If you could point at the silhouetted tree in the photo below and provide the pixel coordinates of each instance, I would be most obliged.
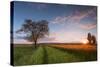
(94, 42)
(92, 39)
(89, 38)
(34, 30)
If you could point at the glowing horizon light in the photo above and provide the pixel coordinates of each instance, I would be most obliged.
(84, 41)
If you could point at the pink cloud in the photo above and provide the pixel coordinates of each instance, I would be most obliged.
(47, 39)
(88, 26)
(63, 36)
(21, 41)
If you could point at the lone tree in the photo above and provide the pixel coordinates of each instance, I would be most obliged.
(34, 30)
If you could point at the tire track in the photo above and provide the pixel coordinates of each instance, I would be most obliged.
(45, 57)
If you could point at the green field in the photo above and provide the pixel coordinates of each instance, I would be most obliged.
(48, 55)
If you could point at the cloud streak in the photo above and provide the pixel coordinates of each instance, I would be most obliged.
(77, 17)
(88, 26)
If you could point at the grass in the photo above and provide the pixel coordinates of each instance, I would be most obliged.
(58, 56)
(49, 55)
(82, 55)
(22, 54)
(37, 56)
(28, 55)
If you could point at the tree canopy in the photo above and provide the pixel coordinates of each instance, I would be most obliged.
(34, 30)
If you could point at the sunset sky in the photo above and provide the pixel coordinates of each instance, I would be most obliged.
(67, 23)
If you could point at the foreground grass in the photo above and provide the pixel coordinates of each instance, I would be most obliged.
(28, 55)
(22, 54)
(47, 54)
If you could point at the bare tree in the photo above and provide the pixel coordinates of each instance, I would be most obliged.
(34, 30)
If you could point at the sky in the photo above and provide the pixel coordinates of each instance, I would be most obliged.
(67, 23)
